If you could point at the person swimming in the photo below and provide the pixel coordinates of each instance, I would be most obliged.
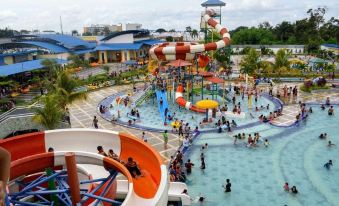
(266, 143)
(294, 190)
(328, 164)
(330, 144)
(286, 187)
(331, 111)
(322, 107)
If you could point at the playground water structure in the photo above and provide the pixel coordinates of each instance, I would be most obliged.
(30, 157)
(151, 119)
(295, 155)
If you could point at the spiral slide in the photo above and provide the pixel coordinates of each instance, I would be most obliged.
(182, 102)
(186, 51)
(29, 157)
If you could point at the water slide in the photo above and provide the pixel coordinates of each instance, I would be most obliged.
(182, 102)
(169, 51)
(162, 95)
(29, 156)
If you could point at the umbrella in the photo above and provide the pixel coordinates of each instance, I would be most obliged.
(207, 104)
(179, 63)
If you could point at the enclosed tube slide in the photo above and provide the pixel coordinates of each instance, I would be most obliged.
(29, 155)
(182, 102)
(186, 51)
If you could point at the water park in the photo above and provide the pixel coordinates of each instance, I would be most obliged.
(179, 129)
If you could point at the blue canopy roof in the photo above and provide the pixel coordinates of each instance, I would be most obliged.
(52, 47)
(67, 41)
(213, 3)
(118, 47)
(17, 68)
(150, 42)
(331, 45)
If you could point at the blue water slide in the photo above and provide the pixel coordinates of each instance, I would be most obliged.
(162, 95)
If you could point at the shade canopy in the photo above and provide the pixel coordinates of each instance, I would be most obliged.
(207, 104)
(179, 63)
(215, 80)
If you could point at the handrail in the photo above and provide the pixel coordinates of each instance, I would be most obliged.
(7, 114)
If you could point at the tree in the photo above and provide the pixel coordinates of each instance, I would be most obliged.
(281, 60)
(160, 30)
(75, 33)
(172, 30)
(253, 36)
(284, 31)
(250, 63)
(52, 66)
(169, 39)
(23, 32)
(76, 61)
(65, 88)
(189, 31)
(223, 56)
(106, 31)
(49, 116)
(106, 68)
(194, 33)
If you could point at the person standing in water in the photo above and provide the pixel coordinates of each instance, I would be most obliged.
(227, 185)
(328, 164)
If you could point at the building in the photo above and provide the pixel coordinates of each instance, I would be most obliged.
(294, 49)
(24, 52)
(101, 29)
(41, 46)
(330, 47)
(133, 27)
(124, 46)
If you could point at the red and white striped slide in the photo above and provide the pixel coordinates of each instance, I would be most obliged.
(186, 51)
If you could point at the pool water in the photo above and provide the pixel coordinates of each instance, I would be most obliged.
(150, 116)
(295, 155)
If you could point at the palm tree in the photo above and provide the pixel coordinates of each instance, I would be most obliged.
(250, 63)
(188, 30)
(52, 66)
(50, 115)
(194, 33)
(281, 60)
(65, 88)
(106, 68)
(75, 33)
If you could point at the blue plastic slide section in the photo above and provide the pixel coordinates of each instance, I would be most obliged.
(164, 105)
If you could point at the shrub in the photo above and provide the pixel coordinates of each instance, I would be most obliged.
(321, 82)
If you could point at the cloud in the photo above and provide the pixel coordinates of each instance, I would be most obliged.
(176, 14)
(7, 15)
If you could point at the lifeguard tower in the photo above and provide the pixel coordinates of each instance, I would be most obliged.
(216, 6)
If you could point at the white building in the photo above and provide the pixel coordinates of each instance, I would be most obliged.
(294, 49)
(133, 26)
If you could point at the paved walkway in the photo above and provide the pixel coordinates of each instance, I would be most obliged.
(82, 113)
(288, 116)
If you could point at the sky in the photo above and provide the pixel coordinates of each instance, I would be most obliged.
(152, 14)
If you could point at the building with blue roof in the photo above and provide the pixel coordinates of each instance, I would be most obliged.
(26, 66)
(116, 47)
(124, 46)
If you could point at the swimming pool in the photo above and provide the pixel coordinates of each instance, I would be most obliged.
(150, 116)
(295, 155)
